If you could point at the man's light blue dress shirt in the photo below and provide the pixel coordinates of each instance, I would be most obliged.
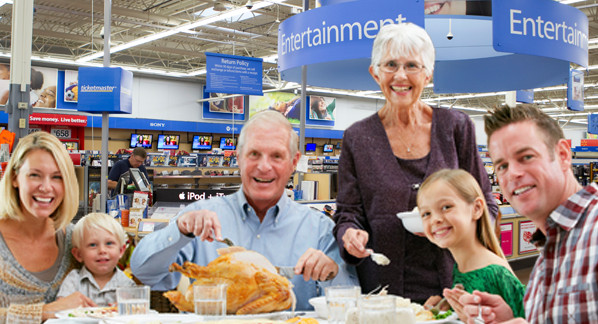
(287, 231)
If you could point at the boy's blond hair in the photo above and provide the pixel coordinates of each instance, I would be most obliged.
(98, 221)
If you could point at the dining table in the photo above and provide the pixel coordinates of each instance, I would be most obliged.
(184, 318)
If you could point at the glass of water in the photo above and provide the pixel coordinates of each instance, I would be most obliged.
(133, 300)
(379, 310)
(339, 299)
(210, 300)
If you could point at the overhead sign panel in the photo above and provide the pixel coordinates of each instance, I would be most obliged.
(105, 89)
(575, 90)
(332, 33)
(541, 27)
(233, 74)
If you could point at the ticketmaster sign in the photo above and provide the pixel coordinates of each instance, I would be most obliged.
(105, 89)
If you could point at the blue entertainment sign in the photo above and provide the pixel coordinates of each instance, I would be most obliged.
(233, 74)
(332, 33)
(105, 89)
(540, 27)
(575, 90)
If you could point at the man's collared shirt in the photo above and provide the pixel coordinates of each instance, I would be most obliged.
(563, 285)
(286, 232)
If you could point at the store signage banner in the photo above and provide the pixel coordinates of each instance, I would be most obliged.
(593, 123)
(190, 195)
(524, 96)
(105, 89)
(341, 31)
(540, 27)
(58, 119)
(233, 74)
(575, 90)
(71, 90)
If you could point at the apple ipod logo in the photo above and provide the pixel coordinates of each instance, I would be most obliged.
(182, 196)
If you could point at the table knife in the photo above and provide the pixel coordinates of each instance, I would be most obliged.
(287, 272)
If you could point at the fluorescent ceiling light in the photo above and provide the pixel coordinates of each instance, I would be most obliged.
(3, 2)
(206, 21)
(571, 1)
(198, 72)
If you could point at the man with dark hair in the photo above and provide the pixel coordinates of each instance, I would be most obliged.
(532, 161)
(134, 161)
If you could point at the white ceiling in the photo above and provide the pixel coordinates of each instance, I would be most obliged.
(70, 30)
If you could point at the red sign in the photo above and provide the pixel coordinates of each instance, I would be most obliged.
(58, 119)
(589, 142)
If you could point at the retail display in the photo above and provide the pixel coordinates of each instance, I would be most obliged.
(168, 142)
(227, 143)
(141, 140)
(201, 142)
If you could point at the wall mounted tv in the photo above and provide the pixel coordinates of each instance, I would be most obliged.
(141, 140)
(328, 148)
(201, 142)
(168, 142)
(310, 147)
(228, 143)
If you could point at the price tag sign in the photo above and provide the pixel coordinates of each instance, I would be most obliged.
(61, 132)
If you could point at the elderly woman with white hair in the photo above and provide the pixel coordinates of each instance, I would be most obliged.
(384, 159)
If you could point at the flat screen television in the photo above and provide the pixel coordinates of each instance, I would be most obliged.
(141, 140)
(227, 143)
(201, 142)
(310, 147)
(168, 142)
(328, 148)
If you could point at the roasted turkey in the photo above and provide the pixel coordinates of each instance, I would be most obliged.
(254, 286)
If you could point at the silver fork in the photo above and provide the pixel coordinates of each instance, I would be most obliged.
(479, 319)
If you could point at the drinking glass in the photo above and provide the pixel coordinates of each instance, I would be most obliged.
(133, 300)
(210, 300)
(378, 309)
(339, 299)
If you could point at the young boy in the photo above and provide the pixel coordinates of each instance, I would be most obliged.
(98, 242)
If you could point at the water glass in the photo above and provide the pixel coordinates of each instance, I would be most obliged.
(133, 300)
(378, 309)
(210, 300)
(339, 300)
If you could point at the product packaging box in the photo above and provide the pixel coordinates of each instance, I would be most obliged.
(135, 216)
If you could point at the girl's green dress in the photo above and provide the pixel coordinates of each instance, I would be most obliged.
(494, 279)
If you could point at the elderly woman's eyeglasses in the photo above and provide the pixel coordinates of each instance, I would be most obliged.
(392, 67)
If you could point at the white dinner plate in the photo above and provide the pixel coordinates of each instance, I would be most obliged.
(452, 317)
(173, 318)
(80, 315)
(282, 315)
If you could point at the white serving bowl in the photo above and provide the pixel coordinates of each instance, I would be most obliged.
(412, 221)
(319, 304)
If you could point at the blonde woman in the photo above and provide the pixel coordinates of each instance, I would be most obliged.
(40, 197)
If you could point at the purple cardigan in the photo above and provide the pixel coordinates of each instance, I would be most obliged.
(374, 185)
